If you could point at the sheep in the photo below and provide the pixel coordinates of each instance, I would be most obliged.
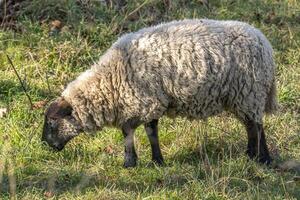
(191, 68)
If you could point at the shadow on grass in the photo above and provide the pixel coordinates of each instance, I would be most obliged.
(10, 90)
(151, 179)
(211, 151)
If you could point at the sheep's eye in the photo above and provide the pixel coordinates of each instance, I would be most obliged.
(52, 123)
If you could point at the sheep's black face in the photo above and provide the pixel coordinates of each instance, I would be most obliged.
(59, 126)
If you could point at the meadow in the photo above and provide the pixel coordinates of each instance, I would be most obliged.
(52, 42)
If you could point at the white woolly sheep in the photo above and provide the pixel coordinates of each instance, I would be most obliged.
(191, 68)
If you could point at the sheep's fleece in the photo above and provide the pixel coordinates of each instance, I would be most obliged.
(192, 68)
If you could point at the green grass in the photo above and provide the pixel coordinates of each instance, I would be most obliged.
(204, 160)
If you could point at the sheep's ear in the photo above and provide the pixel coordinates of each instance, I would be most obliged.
(59, 109)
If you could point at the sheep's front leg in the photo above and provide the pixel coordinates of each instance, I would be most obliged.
(130, 154)
(152, 132)
(257, 147)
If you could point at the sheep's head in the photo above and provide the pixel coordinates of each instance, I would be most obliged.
(59, 125)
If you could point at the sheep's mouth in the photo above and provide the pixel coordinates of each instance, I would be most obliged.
(58, 147)
(55, 147)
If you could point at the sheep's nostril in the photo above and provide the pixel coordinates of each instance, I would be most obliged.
(59, 147)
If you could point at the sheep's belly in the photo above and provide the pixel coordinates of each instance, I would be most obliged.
(195, 110)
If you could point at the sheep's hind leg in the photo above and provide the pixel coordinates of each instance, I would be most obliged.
(152, 133)
(130, 153)
(257, 147)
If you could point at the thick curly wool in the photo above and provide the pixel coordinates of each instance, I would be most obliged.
(190, 68)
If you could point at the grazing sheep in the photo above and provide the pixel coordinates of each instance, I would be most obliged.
(190, 68)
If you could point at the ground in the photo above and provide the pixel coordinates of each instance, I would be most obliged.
(51, 42)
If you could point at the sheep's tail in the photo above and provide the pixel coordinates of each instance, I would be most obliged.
(271, 103)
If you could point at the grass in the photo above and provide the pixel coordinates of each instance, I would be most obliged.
(204, 160)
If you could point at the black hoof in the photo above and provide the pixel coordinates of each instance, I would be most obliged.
(158, 161)
(261, 159)
(251, 154)
(129, 163)
(265, 160)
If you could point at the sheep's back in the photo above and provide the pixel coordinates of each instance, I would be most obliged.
(198, 68)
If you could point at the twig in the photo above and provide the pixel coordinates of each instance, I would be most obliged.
(121, 23)
(21, 82)
(135, 10)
